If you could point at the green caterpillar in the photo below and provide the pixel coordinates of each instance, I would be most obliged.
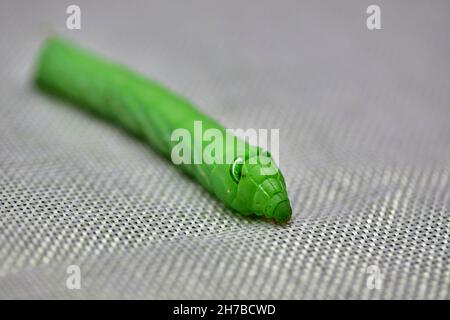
(151, 111)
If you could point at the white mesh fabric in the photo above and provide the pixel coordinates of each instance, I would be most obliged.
(364, 120)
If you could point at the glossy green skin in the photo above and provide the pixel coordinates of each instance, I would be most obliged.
(151, 111)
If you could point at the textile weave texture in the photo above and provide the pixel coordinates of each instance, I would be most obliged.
(364, 121)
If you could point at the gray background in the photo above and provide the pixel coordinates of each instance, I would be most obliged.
(365, 149)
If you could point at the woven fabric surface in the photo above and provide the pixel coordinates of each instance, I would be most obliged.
(364, 121)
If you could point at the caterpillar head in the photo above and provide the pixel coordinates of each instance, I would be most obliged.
(261, 189)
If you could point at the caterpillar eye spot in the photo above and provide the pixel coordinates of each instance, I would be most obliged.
(236, 169)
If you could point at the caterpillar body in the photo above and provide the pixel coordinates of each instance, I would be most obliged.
(153, 112)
